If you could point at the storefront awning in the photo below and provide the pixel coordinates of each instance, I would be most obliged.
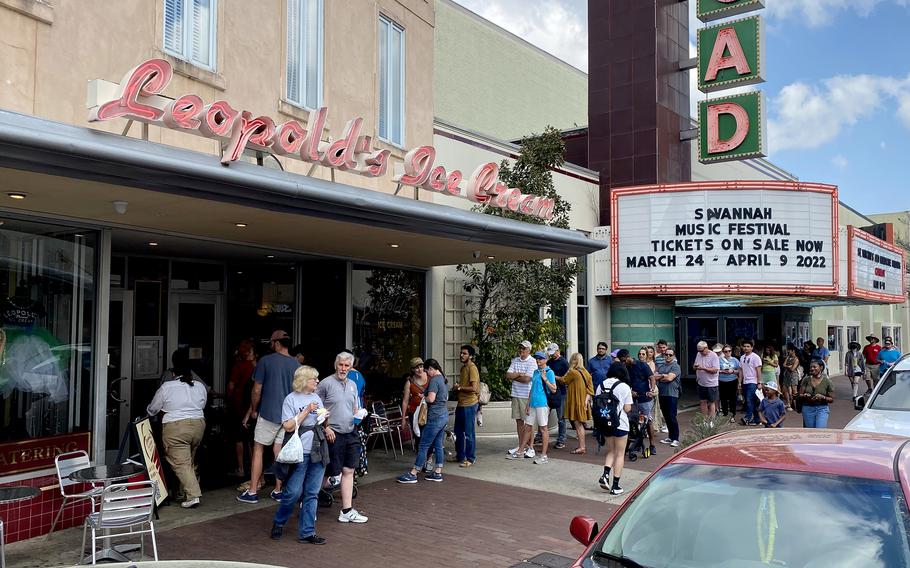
(76, 172)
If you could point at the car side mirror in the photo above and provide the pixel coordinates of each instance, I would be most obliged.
(583, 529)
(859, 403)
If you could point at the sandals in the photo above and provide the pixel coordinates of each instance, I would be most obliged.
(578, 452)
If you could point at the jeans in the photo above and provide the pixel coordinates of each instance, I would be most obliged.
(432, 435)
(751, 416)
(728, 397)
(815, 416)
(561, 420)
(669, 405)
(465, 433)
(303, 485)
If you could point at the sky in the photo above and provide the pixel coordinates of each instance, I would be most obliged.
(837, 87)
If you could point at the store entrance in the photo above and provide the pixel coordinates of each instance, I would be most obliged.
(196, 323)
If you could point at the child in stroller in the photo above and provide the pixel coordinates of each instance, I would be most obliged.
(638, 433)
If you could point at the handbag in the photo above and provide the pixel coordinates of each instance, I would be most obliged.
(484, 398)
(422, 413)
(292, 449)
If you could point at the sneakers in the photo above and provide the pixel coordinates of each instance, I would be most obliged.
(711, 423)
(617, 490)
(247, 497)
(312, 539)
(664, 429)
(530, 453)
(653, 449)
(604, 482)
(190, 503)
(666, 441)
(674, 444)
(560, 445)
(513, 451)
(276, 496)
(406, 477)
(351, 516)
(466, 463)
(275, 534)
(542, 460)
(515, 456)
(433, 476)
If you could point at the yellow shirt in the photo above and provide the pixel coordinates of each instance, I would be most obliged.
(469, 377)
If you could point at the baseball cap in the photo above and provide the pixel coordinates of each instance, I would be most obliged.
(416, 362)
(771, 385)
(552, 348)
(540, 355)
(279, 334)
(526, 344)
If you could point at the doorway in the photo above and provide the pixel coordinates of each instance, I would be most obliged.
(195, 323)
(119, 367)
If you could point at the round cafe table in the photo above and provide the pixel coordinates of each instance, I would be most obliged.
(106, 475)
(13, 495)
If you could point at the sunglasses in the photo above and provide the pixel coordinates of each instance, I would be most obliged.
(728, 351)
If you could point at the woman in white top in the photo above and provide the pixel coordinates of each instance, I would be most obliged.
(182, 401)
(616, 443)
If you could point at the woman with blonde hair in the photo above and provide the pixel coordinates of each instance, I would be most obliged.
(579, 390)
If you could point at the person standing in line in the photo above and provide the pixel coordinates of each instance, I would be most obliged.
(659, 354)
(817, 393)
(669, 387)
(300, 410)
(806, 354)
(274, 376)
(854, 366)
(750, 364)
(579, 390)
(618, 368)
(659, 423)
(789, 376)
(821, 352)
(520, 372)
(238, 395)
(771, 411)
(642, 391)
(538, 412)
(769, 364)
(707, 368)
(728, 381)
(467, 389)
(599, 364)
(560, 367)
(616, 441)
(433, 433)
(887, 356)
(358, 379)
(182, 400)
(870, 354)
(339, 395)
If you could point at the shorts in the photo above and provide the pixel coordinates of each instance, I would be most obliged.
(646, 407)
(519, 407)
(268, 433)
(538, 416)
(707, 393)
(620, 433)
(345, 452)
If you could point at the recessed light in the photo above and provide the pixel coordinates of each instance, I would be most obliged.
(239, 272)
(491, 257)
(17, 195)
(2, 223)
(153, 244)
(394, 245)
(270, 256)
(240, 225)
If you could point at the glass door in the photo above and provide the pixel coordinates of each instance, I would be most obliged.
(698, 329)
(195, 323)
(119, 366)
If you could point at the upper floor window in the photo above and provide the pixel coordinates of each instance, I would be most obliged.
(304, 49)
(189, 31)
(391, 81)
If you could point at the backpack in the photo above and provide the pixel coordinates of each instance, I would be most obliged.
(605, 410)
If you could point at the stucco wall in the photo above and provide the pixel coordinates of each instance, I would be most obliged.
(46, 66)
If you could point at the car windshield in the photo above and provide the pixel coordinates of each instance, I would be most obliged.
(894, 394)
(703, 516)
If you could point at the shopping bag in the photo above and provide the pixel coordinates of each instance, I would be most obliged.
(292, 450)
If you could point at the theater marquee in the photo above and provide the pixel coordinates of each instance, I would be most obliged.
(736, 237)
(876, 268)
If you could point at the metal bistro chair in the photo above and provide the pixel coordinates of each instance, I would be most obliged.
(384, 427)
(124, 506)
(66, 464)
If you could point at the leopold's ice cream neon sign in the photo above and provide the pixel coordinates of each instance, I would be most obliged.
(138, 98)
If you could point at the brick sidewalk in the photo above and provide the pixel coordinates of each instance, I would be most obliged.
(458, 523)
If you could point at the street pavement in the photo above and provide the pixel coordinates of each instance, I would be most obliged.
(498, 513)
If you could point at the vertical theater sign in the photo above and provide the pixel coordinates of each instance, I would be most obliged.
(730, 55)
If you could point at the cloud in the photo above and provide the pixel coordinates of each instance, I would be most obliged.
(559, 27)
(818, 13)
(840, 162)
(808, 116)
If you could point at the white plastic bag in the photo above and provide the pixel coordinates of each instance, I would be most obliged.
(292, 451)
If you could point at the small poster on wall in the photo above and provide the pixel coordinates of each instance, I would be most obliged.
(151, 459)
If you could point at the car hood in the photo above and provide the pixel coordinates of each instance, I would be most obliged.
(883, 421)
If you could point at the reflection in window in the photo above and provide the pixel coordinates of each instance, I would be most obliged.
(388, 314)
(894, 394)
(46, 297)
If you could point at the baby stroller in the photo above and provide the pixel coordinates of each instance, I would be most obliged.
(638, 432)
(326, 497)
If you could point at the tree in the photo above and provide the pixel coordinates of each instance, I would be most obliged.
(516, 300)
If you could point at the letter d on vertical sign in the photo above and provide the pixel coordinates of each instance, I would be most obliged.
(731, 128)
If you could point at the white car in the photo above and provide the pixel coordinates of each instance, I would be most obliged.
(888, 408)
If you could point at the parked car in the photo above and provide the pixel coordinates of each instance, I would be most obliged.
(744, 499)
(888, 407)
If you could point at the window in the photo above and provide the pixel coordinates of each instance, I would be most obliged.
(189, 31)
(581, 286)
(304, 52)
(391, 81)
(852, 334)
(834, 338)
(458, 318)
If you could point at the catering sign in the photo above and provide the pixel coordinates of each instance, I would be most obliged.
(876, 268)
(138, 96)
(737, 237)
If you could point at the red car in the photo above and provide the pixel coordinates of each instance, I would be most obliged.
(787, 498)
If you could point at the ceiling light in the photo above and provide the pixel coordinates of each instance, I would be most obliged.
(153, 244)
(240, 225)
(270, 256)
(491, 257)
(394, 245)
(239, 272)
(17, 195)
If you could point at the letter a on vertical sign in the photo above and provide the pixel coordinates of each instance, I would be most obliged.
(710, 10)
(732, 128)
(731, 54)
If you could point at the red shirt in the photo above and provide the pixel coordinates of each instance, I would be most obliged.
(870, 353)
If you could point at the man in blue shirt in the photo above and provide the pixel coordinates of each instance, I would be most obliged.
(538, 412)
(821, 352)
(358, 379)
(888, 355)
(560, 367)
(599, 364)
(642, 383)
